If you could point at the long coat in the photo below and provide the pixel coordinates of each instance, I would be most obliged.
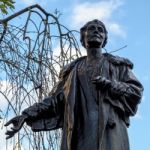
(91, 118)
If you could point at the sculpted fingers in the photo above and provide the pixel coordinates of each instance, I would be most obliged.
(17, 123)
(10, 133)
(13, 121)
(15, 128)
(96, 79)
(101, 82)
(8, 123)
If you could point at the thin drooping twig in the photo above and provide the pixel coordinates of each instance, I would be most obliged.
(30, 65)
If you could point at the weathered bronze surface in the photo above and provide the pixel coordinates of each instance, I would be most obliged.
(93, 100)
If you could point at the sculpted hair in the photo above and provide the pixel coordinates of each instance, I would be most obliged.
(83, 29)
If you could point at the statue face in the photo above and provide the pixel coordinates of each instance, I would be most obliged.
(94, 36)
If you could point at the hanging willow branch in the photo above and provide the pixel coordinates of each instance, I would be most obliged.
(34, 46)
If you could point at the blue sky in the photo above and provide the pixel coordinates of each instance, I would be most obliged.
(128, 24)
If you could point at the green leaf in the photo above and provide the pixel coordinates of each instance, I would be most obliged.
(5, 4)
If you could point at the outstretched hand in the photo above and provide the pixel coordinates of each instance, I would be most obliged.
(17, 123)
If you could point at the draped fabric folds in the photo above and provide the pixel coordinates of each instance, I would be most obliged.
(90, 118)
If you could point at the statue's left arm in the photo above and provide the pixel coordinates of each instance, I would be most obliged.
(128, 90)
(123, 90)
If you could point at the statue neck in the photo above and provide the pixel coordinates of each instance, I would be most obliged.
(94, 54)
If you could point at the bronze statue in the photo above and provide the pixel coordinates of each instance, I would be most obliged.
(93, 100)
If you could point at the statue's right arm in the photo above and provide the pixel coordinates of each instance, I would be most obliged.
(49, 107)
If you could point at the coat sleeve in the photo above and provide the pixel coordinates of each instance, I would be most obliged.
(50, 108)
(128, 90)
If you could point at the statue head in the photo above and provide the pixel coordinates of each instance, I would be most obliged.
(94, 32)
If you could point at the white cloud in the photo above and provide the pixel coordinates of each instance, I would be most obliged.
(3, 86)
(31, 2)
(143, 98)
(117, 29)
(102, 10)
(2, 133)
(10, 144)
(137, 116)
